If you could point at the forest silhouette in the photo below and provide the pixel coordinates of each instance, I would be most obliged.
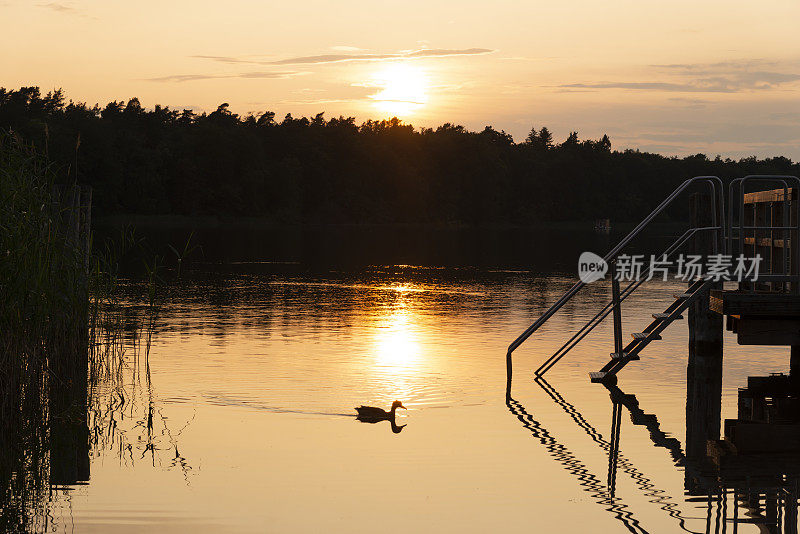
(317, 170)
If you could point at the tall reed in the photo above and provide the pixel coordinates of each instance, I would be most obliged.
(43, 306)
(73, 352)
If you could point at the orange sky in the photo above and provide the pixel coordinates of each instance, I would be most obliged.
(679, 77)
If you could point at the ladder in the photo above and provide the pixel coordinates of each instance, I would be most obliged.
(622, 355)
(652, 332)
(727, 237)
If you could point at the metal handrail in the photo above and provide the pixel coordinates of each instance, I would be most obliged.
(785, 229)
(608, 308)
(717, 197)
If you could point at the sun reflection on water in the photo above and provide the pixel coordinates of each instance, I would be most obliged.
(398, 351)
(397, 346)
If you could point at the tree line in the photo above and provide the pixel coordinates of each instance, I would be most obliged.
(317, 170)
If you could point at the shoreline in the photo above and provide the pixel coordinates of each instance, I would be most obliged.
(228, 222)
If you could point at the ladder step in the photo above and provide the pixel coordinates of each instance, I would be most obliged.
(599, 377)
(624, 356)
(686, 295)
(667, 316)
(644, 419)
(646, 335)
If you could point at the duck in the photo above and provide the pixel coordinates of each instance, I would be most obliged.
(370, 414)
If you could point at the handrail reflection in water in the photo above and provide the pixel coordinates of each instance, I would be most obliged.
(772, 507)
(588, 481)
(658, 496)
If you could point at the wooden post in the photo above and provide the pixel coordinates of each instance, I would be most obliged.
(509, 374)
(704, 370)
(794, 362)
(790, 510)
(618, 346)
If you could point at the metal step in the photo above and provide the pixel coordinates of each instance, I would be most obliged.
(600, 377)
(624, 356)
(644, 419)
(667, 316)
(646, 335)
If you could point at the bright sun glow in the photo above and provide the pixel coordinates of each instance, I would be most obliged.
(397, 345)
(404, 89)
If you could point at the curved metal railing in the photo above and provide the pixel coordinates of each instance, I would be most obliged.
(718, 218)
(608, 308)
(784, 230)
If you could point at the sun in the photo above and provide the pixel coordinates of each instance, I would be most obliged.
(403, 89)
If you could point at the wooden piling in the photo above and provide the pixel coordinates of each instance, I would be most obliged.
(704, 370)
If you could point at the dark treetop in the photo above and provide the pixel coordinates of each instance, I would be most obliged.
(313, 170)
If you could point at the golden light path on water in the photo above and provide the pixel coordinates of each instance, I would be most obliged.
(398, 351)
(250, 386)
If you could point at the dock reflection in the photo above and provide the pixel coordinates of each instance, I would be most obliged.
(590, 483)
(736, 488)
(611, 446)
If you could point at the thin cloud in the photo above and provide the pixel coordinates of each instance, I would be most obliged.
(180, 78)
(444, 52)
(223, 59)
(343, 48)
(333, 95)
(735, 76)
(341, 58)
(524, 58)
(423, 53)
(685, 100)
(719, 66)
(651, 86)
(267, 75)
(731, 83)
(61, 8)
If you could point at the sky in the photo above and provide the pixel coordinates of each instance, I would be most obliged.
(678, 77)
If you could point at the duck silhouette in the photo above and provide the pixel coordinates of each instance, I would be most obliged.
(370, 414)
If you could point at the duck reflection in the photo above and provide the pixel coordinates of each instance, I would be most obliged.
(371, 414)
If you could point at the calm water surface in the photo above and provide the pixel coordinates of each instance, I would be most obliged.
(243, 419)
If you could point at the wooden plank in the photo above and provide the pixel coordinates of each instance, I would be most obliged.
(770, 386)
(768, 331)
(715, 300)
(773, 195)
(764, 242)
(750, 303)
(761, 437)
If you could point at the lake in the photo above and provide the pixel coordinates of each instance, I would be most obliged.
(242, 417)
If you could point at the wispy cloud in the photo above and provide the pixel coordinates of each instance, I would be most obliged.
(524, 58)
(343, 57)
(179, 78)
(62, 8)
(344, 48)
(718, 66)
(224, 59)
(652, 86)
(722, 77)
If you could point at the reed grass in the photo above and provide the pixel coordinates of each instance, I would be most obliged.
(69, 343)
